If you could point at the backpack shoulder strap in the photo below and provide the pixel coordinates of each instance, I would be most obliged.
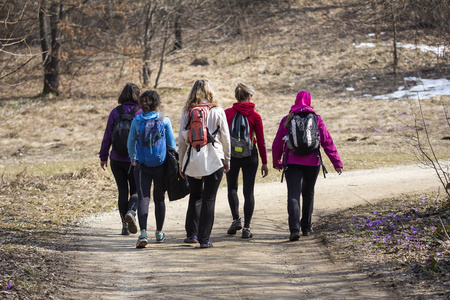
(120, 110)
(161, 118)
(134, 110)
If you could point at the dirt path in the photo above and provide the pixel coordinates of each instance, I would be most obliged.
(106, 265)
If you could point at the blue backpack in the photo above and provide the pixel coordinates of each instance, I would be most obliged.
(151, 142)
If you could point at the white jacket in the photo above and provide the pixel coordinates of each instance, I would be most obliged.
(209, 159)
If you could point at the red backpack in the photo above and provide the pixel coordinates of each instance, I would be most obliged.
(198, 132)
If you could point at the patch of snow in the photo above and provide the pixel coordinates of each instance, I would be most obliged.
(425, 88)
(440, 50)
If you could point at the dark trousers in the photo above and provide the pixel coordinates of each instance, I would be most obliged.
(300, 179)
(126, 186)
(249, 166)
(202, 201)
(145, 176)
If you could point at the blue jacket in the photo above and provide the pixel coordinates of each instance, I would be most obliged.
(131, 143)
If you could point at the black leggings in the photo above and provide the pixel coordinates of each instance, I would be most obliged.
(125, 183)
(300, 179)
(249, 166)
(202, 201)
(144, 178)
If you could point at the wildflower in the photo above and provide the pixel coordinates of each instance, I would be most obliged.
(374, 212)
(422, 197)
(394, 231)
(356, 224)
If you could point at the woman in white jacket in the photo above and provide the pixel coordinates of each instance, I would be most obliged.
(204, 166)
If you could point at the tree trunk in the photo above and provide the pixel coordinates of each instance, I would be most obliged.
(178, 44)
(161, 61)
(146, 72)
(394, 28)
(51, 56)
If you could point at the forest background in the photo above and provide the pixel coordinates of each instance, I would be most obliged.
(63, 64)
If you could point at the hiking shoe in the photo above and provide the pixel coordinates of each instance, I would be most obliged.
(295, 236)
(246, 233)
(125, 230)
(142, 241)
(207, 245)
(160, 237)
(191, 239)
(306, 233)
(131, 221)
(235, 226)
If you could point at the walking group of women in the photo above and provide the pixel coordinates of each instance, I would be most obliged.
(204, 168)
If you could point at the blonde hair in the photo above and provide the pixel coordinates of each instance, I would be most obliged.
(200, 90)
(242, 92)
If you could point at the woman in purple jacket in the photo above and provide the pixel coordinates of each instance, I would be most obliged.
(302, 171)
(120, 164)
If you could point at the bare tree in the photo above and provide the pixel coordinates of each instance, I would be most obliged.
(425, 151)
(17, 26)
(49, 19)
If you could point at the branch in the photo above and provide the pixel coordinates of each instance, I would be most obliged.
(18, 68)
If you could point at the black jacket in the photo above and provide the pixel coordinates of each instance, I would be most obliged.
(174, 184)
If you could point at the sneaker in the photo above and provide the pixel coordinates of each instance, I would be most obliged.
(131, 221)
(246, 233)
(125, 230)
(142, 241)
(191, 239)
(160, 237)
(235, 226)
(207, 245)
(306, 233)
(295, 236)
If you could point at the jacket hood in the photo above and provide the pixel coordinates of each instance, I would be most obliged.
(148, 116)
(302, 103)
(245, 108)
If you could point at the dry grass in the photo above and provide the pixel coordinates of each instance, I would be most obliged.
(50, 174)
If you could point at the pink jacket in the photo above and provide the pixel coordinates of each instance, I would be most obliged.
(303, 104)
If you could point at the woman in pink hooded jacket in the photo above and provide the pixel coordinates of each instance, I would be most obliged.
(302, 170)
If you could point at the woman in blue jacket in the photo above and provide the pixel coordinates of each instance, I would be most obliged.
(144, 175)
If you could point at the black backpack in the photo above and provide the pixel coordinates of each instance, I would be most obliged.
(241, 142)
(304, 137)
(121, 130)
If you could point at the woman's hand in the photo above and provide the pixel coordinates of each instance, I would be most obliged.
(226, 168)
(104, 164)
(181, 172)
(264, 170)
(339, 170)
(279, 168)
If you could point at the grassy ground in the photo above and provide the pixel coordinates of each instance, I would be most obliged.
(50, 174)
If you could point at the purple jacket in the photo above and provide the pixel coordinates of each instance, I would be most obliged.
(302, 104)
(106, 143)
